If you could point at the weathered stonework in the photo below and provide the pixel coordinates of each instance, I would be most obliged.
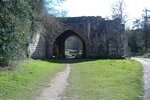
(37, 48)
(101, 38)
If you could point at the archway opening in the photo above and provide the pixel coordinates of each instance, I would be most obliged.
(62, 47)
(73, 47)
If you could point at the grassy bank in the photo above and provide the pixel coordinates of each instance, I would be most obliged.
(105, 80)
(25, 82)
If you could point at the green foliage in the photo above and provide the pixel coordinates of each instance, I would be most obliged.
(105, 80)
(136, 41)
(17, 23)
(25, 82)
(142, 26)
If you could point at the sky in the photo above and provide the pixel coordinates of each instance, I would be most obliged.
(134, 8)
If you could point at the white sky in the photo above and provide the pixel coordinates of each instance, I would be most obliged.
(103, 8)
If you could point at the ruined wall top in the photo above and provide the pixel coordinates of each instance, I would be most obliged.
(87, 19)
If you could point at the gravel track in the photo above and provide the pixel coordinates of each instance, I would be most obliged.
(56, 86)
(146, 76)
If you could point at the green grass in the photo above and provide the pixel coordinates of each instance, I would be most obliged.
(105, 80)
(26, 82)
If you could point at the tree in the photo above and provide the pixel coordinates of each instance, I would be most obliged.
(53, 7)
(139, 36)
(118, 11)
(17, 27)
(137, 24)
(147, 29)
(135, 41)
(15, 24)
(48, 17)
(51, 24)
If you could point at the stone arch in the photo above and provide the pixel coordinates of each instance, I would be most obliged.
(59, 43)
(101, 38)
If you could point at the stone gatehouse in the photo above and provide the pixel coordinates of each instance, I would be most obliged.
(100, 38)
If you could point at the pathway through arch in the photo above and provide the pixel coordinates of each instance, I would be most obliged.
(56, 86)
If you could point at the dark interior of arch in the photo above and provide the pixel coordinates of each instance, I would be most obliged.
(59, 44)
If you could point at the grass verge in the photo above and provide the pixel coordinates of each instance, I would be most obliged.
(26, 82)
(105, 80)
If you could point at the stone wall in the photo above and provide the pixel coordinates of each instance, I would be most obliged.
(103, 38)
(106, 37)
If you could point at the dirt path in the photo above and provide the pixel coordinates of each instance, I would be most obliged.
(56, 86)
(146, 69)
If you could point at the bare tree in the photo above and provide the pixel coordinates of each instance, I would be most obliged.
(48, 18)
(137, 23)
(63, 13)
(118, 11)
(53, 7)
(51, 24)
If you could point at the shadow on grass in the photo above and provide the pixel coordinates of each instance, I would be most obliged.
(65, 61)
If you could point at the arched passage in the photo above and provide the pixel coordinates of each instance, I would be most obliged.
(59, 44)
(73, 47)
